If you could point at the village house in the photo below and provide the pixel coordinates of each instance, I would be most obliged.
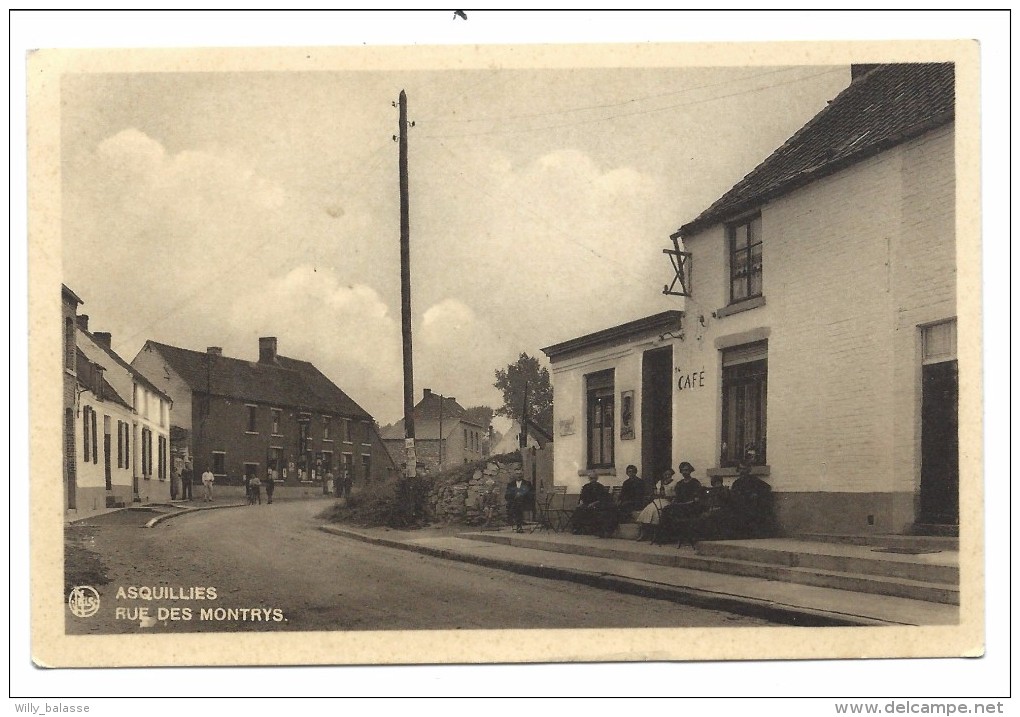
(116, 423)
(238, 417)
(818, 329)
(444, 434)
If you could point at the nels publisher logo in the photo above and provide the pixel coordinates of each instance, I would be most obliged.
(83, 601)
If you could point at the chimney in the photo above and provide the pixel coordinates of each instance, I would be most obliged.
(83, 321)
(214, 350)
(103, 338)
(267, 349)
(425, 392)
(860, 70)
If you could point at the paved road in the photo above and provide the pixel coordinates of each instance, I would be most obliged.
(272, 557)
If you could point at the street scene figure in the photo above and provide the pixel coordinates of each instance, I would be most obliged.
(270, 484)
(207, 482)
(634, 493)
(187, 476)
(256, 489)
(595, 512)
(682, 509)
(519, 497)
(648, 519)
(752, 503)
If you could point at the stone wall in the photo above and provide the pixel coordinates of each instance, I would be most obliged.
(473, 497)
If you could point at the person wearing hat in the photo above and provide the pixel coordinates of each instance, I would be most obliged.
(686, 505)
(649, 518)
(752, 501)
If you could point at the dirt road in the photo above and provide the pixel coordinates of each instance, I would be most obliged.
(271, 569)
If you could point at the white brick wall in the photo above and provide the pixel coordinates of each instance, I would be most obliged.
(852, 264)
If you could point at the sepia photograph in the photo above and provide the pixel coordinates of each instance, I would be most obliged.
(495, 353)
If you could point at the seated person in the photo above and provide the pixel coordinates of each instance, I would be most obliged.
(634, 493)
(716, 522)
(596, 512)
(752, 503)
(648, 519)
(686, 506)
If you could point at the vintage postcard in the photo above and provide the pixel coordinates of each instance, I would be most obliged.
(501, 354)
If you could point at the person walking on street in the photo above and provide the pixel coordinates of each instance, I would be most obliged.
(207, 481)
(255, 486)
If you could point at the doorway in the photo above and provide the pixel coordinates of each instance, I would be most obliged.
(656, 413)
(940, 453)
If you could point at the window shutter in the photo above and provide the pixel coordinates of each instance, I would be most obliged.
(746, 354)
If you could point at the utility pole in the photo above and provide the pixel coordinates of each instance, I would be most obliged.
(405, 297)
(524, 420)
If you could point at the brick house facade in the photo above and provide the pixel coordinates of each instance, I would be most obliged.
(236, 417)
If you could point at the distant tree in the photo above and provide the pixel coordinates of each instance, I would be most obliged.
(482, 415)
(526, 372)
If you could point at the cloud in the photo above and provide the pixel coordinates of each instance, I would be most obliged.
(345, 330)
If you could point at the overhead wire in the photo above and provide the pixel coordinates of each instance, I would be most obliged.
(596, 120)
(584, 108)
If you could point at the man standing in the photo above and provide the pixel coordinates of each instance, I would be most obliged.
(207, 481)
(518, 499)
(186, 481)
(270, 484)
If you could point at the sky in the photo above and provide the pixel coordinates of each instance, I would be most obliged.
(208, 209)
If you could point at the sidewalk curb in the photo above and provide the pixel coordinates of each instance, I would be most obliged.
(747, 606)
(185, 511)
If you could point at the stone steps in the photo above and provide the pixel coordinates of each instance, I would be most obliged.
(905, 542)
(816, 564)
(815, 556)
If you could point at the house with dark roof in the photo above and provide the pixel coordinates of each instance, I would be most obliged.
(240, 417)
(444, 434)
(818, 331)
(116, 424)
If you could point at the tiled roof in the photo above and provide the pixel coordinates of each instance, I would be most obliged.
(288, 382)
(86, 379)
(426, 429)
(887, 106)
(430, 404)
(135, 374)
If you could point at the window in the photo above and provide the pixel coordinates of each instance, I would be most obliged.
(127, 445)
(745, 260)
(600, 419)
(69, 343)
(219, 463)
(146, 453)
(366, 432)
(86, 427)
(345, 430)
(276, 421)
(745, 378)
(326, 427)
(366, 467)
(253, 419)
(163, 458)
(120, 444)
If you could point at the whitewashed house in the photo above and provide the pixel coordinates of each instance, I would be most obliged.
(818, 328)
(119, 424)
